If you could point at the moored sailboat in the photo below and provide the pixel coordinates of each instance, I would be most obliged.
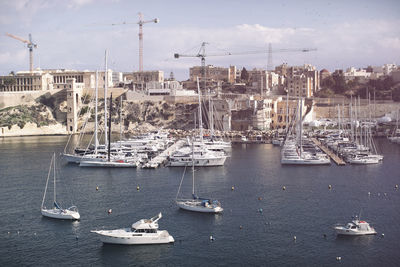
(57, 211)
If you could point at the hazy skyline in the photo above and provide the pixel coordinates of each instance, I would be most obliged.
(74, 34)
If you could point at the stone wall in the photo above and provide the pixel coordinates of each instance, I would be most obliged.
(377, 110)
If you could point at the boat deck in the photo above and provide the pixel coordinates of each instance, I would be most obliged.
(329, 152)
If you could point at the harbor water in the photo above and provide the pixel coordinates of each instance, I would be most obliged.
(273, 215)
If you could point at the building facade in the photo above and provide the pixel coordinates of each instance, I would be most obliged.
(25, 82)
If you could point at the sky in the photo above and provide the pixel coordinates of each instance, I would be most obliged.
(74, 34)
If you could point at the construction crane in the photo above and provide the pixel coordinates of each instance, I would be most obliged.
(140, 23)
(30, 44)
(202, 55)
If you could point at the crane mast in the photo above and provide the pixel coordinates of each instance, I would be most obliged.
(29, 44)
(140, 23)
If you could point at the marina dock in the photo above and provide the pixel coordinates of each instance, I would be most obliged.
(163, 157)
(329, 152)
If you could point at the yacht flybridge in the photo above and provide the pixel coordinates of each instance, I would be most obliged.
(143, 232)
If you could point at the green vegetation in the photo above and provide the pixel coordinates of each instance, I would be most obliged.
(244, 75)
(382, 88)
(20, 115)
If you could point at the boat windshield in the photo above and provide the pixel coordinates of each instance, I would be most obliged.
(144, 230)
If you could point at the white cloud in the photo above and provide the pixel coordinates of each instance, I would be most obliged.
(78, 3)
(19, 57)
(358, 44)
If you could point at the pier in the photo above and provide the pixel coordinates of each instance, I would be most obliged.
(329, 152)
(163, 156)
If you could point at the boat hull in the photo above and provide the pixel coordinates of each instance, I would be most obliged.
(61, 214)
(107, 164)
(190, 206)
(344, 231)
(161, 237)
(210, 162)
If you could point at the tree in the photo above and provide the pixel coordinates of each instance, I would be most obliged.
(328, 83)
(340, 83)
(244, 75)
(396, 93)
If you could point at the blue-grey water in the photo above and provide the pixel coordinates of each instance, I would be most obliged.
(256, 228)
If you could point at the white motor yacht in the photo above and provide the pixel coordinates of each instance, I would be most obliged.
(142, 232)
(356, 227)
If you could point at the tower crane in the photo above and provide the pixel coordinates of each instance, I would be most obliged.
(30, 44)
(202, 55)
(140, 23)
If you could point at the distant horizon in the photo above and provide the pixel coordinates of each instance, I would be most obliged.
(74, 34)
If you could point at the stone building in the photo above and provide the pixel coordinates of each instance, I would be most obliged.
(25, 82)
(74, 93)
(300, 85)
(284, 111)
(213, 74)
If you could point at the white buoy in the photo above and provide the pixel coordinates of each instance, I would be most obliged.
(284, 188)
(294, 238)
(137, 188)
(383, 235)
(260, 210)
(232, 188)
(369, 193)
(211, 238)
(338, 258)
(109, 211)
(330, 186)
(240, 227)
(396, 186)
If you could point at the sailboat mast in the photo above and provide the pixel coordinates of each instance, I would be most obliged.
(287, 113)
(109, 130)
(211, 114)
(47, 181)
(301, 125)
(193, 167)
(120, 119)
(105, 99)
(54, 171)
(200, 119)
(96, 140)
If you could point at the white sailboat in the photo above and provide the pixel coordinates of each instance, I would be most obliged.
(197, 204)
(57, 211)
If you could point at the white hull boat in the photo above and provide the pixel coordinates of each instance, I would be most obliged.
(64, 214)
(143, 232)
(204, 206)
(199, 162)
(355, 228)
(108, 164)
(57, 212)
